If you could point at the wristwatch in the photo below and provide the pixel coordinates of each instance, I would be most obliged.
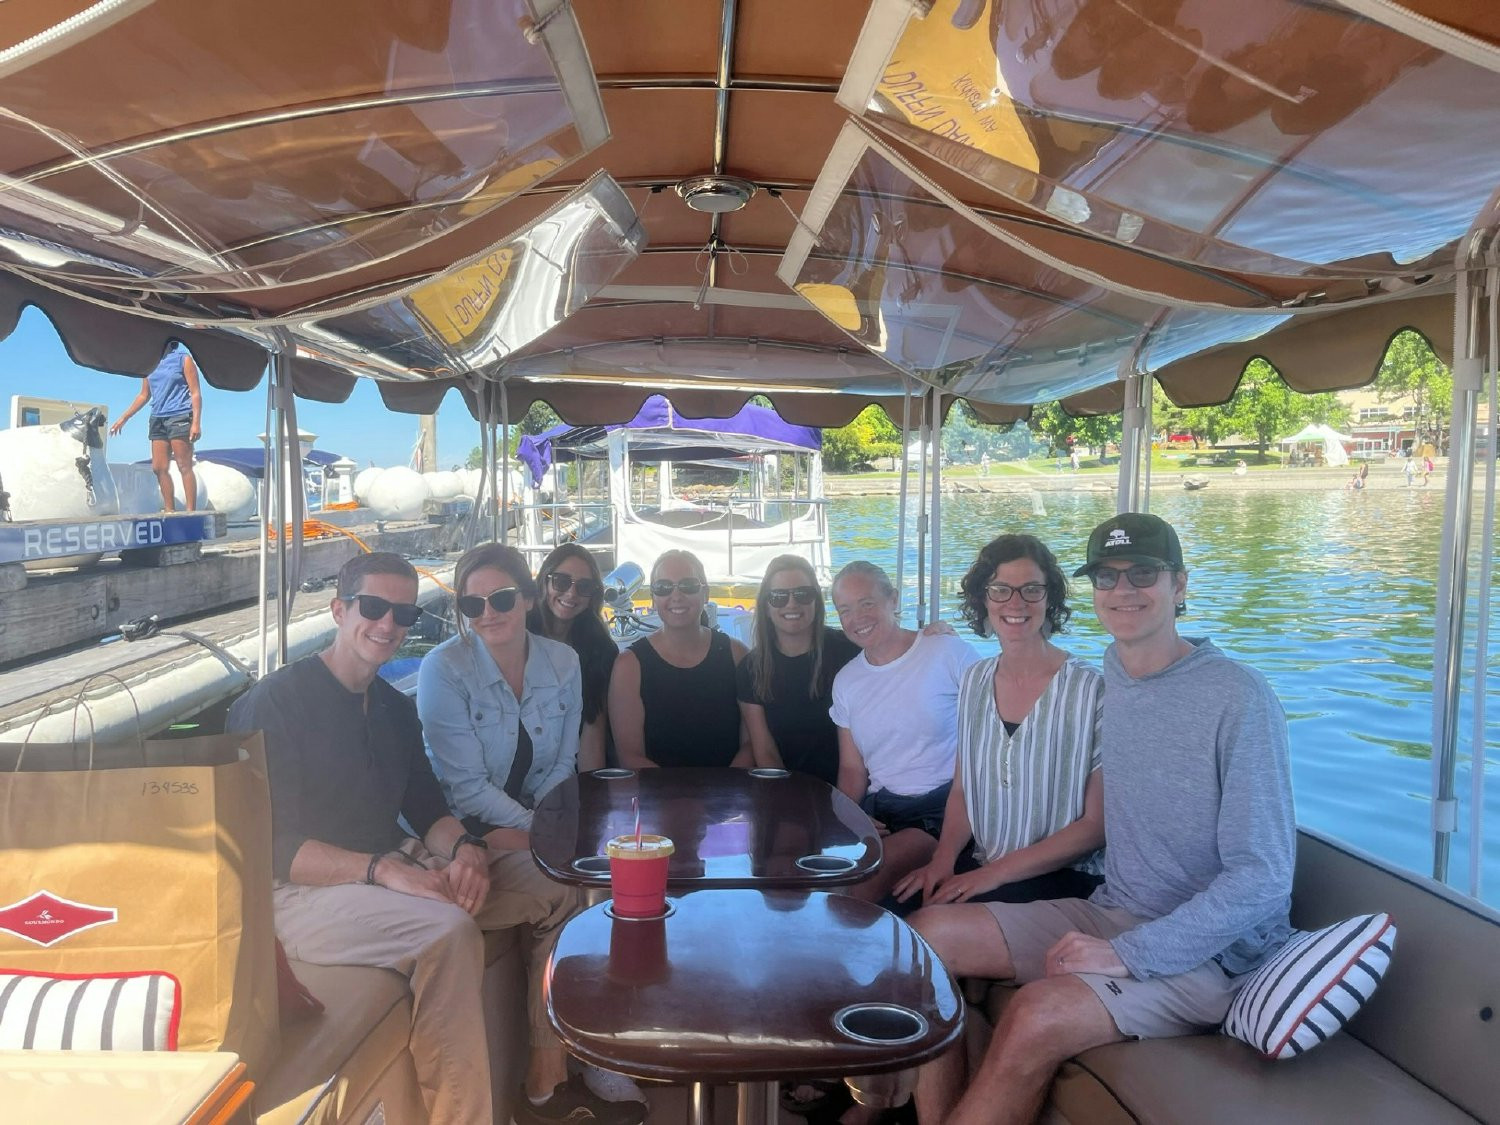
(468, 838)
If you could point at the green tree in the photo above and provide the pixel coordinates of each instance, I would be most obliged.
(1411, 369)
(966, 438)
(1057, 426)
(869, 436)
(1263, 406)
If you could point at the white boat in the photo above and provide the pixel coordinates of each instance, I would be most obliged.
(831, 205)
(768, 499)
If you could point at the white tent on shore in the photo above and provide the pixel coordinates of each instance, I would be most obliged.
(1332, 442)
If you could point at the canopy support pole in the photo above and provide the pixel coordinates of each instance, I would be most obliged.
(1486, 578)
(286, 504)
(503, 517)
(901, 504)
(923, 435)
(936, 504)
(1135, 432)
(1453, 566)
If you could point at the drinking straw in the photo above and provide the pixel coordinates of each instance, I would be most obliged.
(635, 803)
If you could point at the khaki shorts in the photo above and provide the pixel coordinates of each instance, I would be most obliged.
(1186, 1004)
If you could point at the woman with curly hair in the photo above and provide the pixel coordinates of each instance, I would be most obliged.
(570, 608)
(1027, 787)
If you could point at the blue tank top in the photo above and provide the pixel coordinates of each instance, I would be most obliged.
(169, 389)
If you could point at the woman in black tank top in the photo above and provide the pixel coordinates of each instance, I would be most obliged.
(672, 698)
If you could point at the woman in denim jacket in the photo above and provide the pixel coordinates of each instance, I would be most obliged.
(500, 707)
(500, 713)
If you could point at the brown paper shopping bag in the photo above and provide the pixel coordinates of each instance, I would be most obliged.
(153, 858)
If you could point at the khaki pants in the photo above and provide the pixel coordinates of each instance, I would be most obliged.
(440, 950)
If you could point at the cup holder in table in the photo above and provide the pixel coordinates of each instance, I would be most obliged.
(825, 864)
(597, 865)
(612, 773)
(769, 772)
(886, 1024)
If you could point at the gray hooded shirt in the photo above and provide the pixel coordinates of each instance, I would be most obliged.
(1199, 828)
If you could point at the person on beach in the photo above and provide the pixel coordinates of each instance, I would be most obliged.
(1410, 468)
(176, 422)
(1198, 868)
(501, 711)
(347, 775)
(896, 707)
(672, 696)
(1427, 467)
(570, 608)
(785, 684)
(1027, 793)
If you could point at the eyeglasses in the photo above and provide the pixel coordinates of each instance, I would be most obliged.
(1000, 592)
(562, 583)
(372, 608)
(805, 595)
(663, 587)
(501, 601)
(1140, 575)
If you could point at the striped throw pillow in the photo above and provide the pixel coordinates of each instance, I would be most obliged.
(1312, 986)
(101, 1012)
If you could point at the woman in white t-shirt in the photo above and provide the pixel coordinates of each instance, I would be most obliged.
(896, 707)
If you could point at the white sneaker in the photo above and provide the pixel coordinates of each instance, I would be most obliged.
(610, 1086)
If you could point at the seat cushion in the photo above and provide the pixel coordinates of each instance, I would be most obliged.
(365, 1025)
(1200, 1078)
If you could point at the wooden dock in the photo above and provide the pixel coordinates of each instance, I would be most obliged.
(50, 630)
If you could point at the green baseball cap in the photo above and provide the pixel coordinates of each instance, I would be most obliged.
(1135, 537)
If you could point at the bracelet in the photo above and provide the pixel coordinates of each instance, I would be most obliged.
(468, 838)
(370, 871)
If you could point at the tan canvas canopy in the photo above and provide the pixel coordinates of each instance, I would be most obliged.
(1038, 199)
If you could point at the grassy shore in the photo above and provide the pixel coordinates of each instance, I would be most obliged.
(1166, 472)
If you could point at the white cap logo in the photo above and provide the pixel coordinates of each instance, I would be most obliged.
(1117, 538)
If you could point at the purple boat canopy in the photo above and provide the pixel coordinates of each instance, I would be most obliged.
(659, 433)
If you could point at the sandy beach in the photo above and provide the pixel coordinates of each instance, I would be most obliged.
(1383, 475)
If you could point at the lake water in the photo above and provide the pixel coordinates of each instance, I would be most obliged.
(1330, 594)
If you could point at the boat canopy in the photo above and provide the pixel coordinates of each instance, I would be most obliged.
(659, 432)
(828, 205)
(252, 461)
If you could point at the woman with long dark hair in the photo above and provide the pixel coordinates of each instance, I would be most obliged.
(785, 684)
(570, 608)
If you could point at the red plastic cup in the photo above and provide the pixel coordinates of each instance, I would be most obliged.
(638, 875)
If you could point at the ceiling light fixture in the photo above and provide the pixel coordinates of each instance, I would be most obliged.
(716, 195)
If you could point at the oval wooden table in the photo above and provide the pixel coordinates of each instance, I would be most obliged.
(731, 827)
(753, 988)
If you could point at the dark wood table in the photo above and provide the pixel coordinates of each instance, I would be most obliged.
(731, 827)
(751, 987)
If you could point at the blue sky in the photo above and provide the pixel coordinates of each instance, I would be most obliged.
(33, 362)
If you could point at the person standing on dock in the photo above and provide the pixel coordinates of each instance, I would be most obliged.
(1200, 843)
(176, 422)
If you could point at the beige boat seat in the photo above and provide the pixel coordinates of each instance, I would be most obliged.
(1425, 1049)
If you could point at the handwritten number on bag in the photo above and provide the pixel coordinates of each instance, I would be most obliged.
(169, 788)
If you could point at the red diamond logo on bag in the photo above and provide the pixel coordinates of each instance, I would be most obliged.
(45, 919)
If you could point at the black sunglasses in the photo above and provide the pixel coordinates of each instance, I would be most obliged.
(1141, 575)
(663, 587)
(501, 601)
(372, 608)
(805, 595)
(562, 583)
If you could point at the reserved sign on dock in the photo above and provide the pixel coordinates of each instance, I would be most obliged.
(31, 540)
